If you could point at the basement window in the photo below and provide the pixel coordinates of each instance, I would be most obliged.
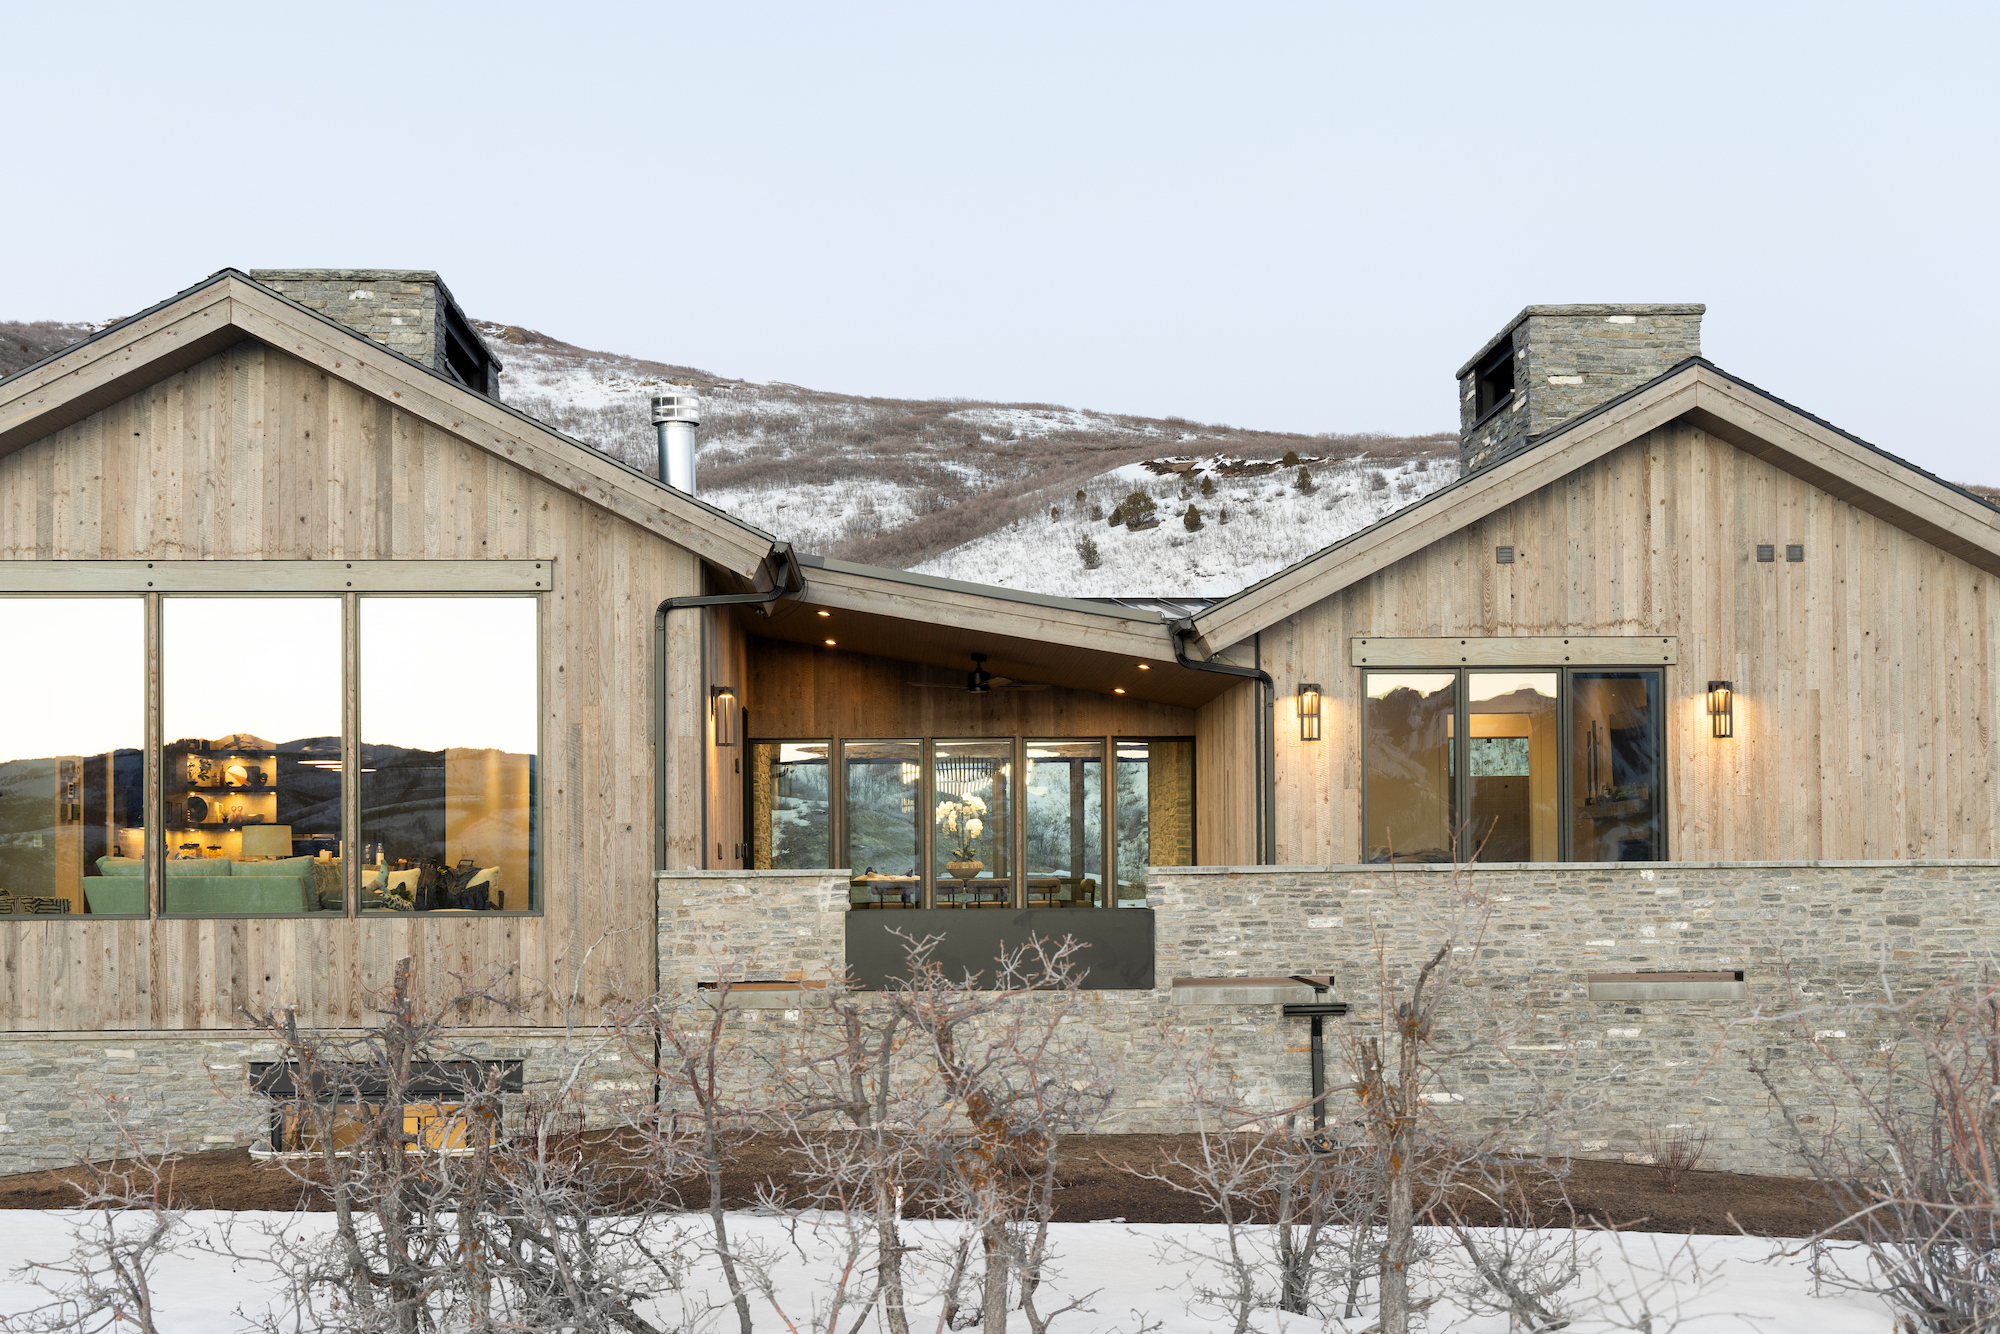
(1494, 379)
(445, 1105)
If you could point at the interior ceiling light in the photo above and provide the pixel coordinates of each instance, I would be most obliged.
(1145, 667)
(829, 643)
(826, 613)
(1118, 690)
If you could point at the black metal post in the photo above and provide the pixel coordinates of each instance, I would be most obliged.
(1317, 1010)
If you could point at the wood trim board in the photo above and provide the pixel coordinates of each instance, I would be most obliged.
(1516, 651)
(277, 576)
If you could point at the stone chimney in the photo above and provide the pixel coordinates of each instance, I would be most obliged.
(408, 310)
(1553, 363)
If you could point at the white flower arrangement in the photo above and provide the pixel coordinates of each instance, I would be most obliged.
(962, 817)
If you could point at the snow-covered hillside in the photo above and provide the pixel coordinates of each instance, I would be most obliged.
(985, 491)
(1253, 519)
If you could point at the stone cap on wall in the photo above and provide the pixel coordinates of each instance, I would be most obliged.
(1595, 868)
(1584, 308)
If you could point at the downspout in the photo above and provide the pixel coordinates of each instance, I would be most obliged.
(790, 580)
(1265, 759)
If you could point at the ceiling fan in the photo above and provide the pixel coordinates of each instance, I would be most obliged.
(979, 681)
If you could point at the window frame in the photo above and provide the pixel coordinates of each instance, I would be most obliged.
(1460, 796)
(350, 580)
(927, 803)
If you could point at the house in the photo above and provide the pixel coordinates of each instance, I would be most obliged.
(1700, 680)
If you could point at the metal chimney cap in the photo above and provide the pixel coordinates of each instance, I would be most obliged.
(676, 408)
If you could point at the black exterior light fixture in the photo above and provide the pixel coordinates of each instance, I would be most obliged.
(1722, 708)
(722, 709)
(1309, 711)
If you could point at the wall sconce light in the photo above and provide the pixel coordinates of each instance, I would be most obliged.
(1309, 711)
(1722, 708)
(722, 708)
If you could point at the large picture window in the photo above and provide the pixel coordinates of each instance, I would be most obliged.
(276, 720)
(72, 776)
(1514, 766)
(991, 822)
(449, 712)
(250, 774)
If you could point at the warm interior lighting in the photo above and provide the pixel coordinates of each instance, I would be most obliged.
(1722, 708)
(722, 705)
(1118, 690)
(1145, 667)
(1309, 711)
(829, 643)
(826, 613)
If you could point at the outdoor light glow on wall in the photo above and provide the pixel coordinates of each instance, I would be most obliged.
(1309, 711)
(1722, 708)
(722, 706)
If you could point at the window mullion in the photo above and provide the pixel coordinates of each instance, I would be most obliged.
(153, 772)
(350, 754)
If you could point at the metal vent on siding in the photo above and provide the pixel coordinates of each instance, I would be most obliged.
(1503, 555)
(1795, 552)
(1766, 552)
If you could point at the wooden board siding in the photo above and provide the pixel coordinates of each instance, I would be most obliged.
(1225, 785)
(1864, 680)
(800, 692)
(253, 454)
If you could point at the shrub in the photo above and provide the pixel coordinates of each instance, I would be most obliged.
(1055, 512)
(1117, 515)
(1304, 482)
(1079, 495)
(1222, 516)
(1137, 508)
(1191, 520)
(1377, 481)
(1086, 551)
(1096, 511)
(1207, 485)
(1291, 458)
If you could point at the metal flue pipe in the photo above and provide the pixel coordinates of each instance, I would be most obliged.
(675, 417)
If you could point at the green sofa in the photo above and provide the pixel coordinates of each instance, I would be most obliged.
(210, 885)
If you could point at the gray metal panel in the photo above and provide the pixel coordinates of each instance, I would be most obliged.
(1118, 953)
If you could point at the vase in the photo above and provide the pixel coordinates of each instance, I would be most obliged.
(965, 870)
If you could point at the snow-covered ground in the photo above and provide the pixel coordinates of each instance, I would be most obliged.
(1130, 1277)
(1250, 528)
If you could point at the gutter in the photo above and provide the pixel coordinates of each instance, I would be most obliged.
(1263, 743)
(789, 579)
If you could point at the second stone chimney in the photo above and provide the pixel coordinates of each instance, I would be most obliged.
(408, 310)
(1553, 363)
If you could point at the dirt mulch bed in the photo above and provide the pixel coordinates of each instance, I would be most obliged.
(1097, 1185)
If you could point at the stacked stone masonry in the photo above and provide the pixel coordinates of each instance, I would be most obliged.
(59, 1094)
(1568, 360)
(1816, 934)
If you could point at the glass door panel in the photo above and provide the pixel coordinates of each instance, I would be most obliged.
(1408, 797)
(1512, 770)
(880, 785)
(791, 805)
(972, 832)
(1063, 818)
(1155, 813)
(1615, 767)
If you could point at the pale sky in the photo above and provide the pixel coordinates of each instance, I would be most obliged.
(1299, 217)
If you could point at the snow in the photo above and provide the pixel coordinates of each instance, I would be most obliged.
(1270, 524)
(1135, 1275)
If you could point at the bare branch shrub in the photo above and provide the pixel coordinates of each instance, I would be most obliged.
(1673, 1152)
(106, 1281)
(1904, 1136)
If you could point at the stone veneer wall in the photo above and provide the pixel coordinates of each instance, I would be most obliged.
(189, 1089)
(1824, 928)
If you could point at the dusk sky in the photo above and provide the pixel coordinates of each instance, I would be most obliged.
(1295, 217)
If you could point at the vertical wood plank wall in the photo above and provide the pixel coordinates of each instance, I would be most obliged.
(1864, 687)
(253, 454)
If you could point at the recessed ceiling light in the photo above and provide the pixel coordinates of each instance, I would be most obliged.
(826, 613)
(1118, 690)
(1145, 667)
(829, 643)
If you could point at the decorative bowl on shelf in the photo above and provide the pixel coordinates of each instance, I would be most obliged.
(965, 870)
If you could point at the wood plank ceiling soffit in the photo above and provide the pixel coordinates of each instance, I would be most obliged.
(1871, 480)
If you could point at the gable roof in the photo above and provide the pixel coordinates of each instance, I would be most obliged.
(1759, 423)
(229, 306)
